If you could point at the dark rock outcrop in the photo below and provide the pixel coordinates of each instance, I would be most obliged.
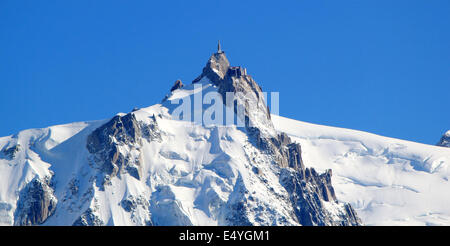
(11, 151)
(88, 218)
(445, 140)
(308, 194)
(178, 84)
(105, 145)
(36, 203)
(132, 204)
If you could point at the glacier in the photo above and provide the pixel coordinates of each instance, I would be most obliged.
(388, 181)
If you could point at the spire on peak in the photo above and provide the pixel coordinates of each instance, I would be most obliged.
(219, 50)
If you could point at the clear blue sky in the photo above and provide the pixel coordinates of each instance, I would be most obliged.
(378, 66)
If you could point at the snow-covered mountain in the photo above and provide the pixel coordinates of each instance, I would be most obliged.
(151, 167)
(162, 166)
(388, 181)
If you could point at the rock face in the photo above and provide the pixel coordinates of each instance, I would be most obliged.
(115, 146)
(445, 140)
(216, 68)
(309, 193)
(36, 203)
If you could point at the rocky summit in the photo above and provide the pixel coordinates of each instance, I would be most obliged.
(147, 167)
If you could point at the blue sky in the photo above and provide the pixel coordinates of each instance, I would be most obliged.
(377, 66)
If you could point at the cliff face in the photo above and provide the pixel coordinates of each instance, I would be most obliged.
(36, 203)
(106, 142)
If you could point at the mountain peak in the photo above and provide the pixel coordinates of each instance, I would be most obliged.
(216, 68)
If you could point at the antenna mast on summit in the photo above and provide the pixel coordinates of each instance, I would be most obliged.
(219, 50)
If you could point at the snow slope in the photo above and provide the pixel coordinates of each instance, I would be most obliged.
(34, 145)
(388, 181)
(189, 176)
(196, 168)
